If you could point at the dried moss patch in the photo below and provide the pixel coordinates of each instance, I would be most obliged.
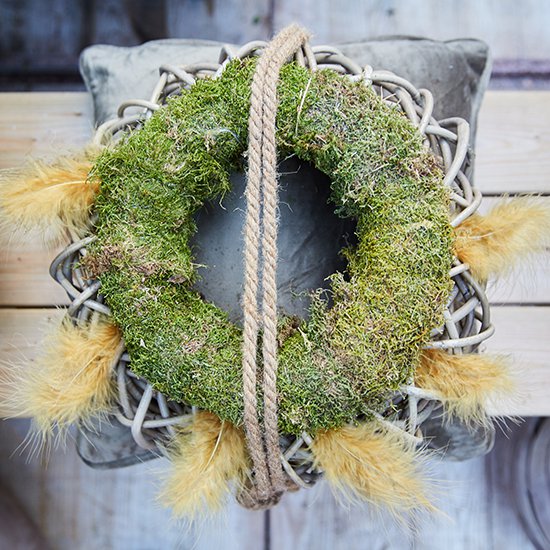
(345, 360)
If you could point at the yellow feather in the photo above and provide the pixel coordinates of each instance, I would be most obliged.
(208, 456)
(72, 382)
(369, 463)
(465, 382)
(49, 199)
(514, 229)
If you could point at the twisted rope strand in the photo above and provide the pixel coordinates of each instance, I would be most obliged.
(250, 292)
(262, 176)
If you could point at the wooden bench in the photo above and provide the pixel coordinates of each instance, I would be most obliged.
(82, 508)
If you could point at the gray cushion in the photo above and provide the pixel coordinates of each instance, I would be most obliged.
(114, 74)
(310, 235)
(456, 72)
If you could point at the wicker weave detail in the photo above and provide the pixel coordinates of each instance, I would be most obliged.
(152, 418)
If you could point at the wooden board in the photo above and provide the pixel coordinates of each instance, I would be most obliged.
(474, 498)
(78, 508)
(47, 37)
(43, 38)
(512, 29)
(522, 334)
(233, 21)
(43, 124)
(513, 153)
(24, 277)
(513, 131)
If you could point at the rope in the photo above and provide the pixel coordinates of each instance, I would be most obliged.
(263, 445)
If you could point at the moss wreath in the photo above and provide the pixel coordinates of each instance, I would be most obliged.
(395, 337)
(348, 358)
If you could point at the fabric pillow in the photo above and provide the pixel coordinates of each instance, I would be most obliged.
(456, 72)
(310, 235)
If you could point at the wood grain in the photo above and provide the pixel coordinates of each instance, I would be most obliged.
(45, 124)
(513, 143)
(24, 277)
(42, 125)
(22, 332)
(522, 334)
(233, 21)
(79, 508)
(474, 503)
(512, 29)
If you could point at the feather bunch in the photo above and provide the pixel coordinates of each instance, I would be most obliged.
(50, 200)
(71, 383)
(494, 243)
(465, 382)
(370, 463)
(208, 457)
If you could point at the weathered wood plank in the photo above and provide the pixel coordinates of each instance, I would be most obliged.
(79, 508)
(472, 516)
(45, 124)
(24, 277)
(233, 21)
(496, 22)
(522, 332)
(74, 505)
(513, 147)
(44, 38)
(42, 124)
(523, 335)
(22, 331)
(36, 34)
(513, 143)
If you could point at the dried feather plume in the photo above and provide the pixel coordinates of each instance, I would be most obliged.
(71, 383)
(370, 463)
(208, 457)
(49, 200)
(464, 382)
(513, 230)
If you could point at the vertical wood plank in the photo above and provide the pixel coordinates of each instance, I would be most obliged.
(473, 514)
(512, 29)
(314, 520)
(79, 508)
(40, 34)
(233, 21)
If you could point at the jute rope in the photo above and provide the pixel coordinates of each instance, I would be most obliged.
(261, 205)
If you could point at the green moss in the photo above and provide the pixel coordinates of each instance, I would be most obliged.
(347, 359)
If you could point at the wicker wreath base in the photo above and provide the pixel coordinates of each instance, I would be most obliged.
(145, 420)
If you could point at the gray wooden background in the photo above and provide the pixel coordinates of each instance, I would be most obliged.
(482, 500)
(40, 39)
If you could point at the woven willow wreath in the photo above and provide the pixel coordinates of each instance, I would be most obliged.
(344, 392)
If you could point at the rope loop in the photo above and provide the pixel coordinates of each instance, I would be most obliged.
(260, 234)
